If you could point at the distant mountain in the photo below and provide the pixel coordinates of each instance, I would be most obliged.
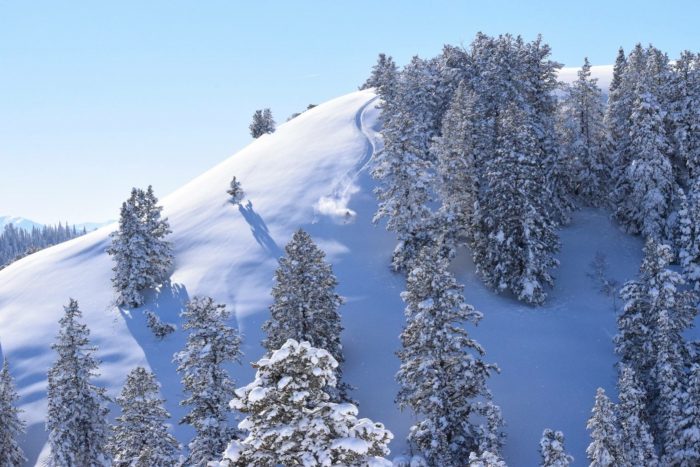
(20, 222)
(28, 224)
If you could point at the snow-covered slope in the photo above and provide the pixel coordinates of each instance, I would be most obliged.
(312, 173)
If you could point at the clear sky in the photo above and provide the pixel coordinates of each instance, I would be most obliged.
(100, 96)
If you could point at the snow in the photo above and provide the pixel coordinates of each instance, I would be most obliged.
(552, 358)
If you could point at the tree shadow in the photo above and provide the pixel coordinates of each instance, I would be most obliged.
(259, 229)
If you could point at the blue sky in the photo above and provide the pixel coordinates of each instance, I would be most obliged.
(97, 97)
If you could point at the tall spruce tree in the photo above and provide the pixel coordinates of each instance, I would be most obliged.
(584, 138)
(211, 344)
(290, 419)
(77, 409)
(636, 442)
(142, 255)
(689, 234)
(552, 450)
(305, 303)
(262, 124)
(604, 448)
(442, 375)
(456, 168)
(686, 111)
(685, 447)
(383, 71)
(11, 427)
(515, 238)
(140, 435)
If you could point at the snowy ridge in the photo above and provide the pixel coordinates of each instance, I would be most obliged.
(309, 174)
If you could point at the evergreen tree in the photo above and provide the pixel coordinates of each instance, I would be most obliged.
(442, 376)
(403, 168)
(263, 123)
(636, 442)
(604, 448)
(382, 71)
(552, 450)
(11, 427)
(515, 238)
(142, 256)
(159, 328)
(584, 138)
(305, 303)
(140, 435)
(291, 421)
(235, 191)
(77, 412)
(211, 344)
(685, 448)
(485, 459)
(456, 167)
(686, 111)
(689, 235)
(656, 291)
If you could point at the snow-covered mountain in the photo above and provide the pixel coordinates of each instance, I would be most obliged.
(19, 222)
(312, 173)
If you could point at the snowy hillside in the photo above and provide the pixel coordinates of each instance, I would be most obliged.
(311, 173)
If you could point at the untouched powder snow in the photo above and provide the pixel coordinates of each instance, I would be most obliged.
(312, 173)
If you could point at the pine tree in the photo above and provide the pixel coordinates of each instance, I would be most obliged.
(211, 344)
(552, 449)
(291, 421)
(485, 459)
(442, 376)
(685, 449)
(689, 235)
(515, 238)
(636, 442)
(263, 123)
(159, 328)
(235, 191)
(657, 290)
(456, 167)
(142, 256)
(604, 448)
(140, 435)
(584, 138)
(403, 168)
(686, 111)
(77, 412)
(305, 303)
(382, 71)
(11, 427)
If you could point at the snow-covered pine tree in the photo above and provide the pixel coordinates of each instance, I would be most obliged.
(140, 435)
(11, 427)
(552, 450)
(685, 449)
(141, 253)
(263, 123)
(77, 411)
(646, 184)
(656, 290)
(235, 191)
(442, 376)
(484, 459)
(686, 110)
(584, 138)
(636, 442)
(382, 71)
(515, 238)
(454, 153)
(689, 235)
(291, 421)
(604, 448)
(668, 374)
(211, 344)
(410, 118)
(305, 303)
